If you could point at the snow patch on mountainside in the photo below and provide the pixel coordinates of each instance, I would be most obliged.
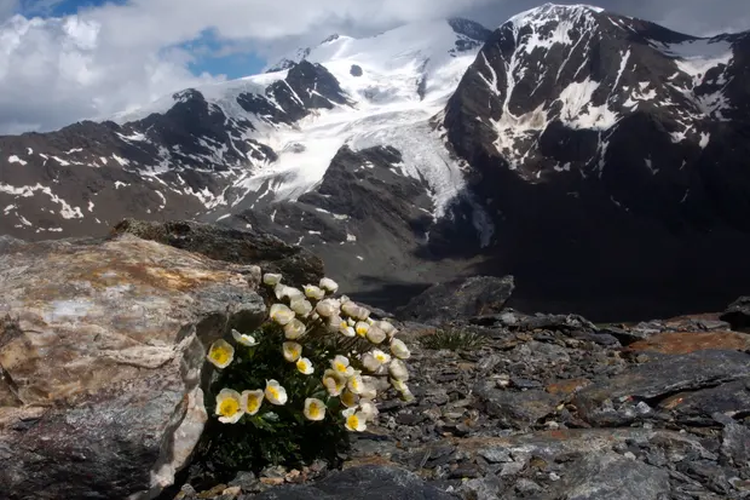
(403, 77)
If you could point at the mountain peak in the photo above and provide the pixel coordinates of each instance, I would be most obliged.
(554, 12)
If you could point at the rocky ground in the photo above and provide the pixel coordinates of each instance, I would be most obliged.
(103, 374)
(550, 407)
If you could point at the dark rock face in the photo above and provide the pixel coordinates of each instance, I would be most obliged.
(367, 220)
(298, 265)
(738, 314)
(594, 149)
(475, 296)
(472, 33)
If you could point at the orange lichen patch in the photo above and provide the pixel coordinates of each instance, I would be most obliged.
(565, 387)
(687, 342)
(371, 460)
(672, 402)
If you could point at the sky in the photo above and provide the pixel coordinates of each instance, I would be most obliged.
(67, 60)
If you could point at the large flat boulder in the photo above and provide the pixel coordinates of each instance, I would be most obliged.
(102, 358)
(250, 246)
(459, 299)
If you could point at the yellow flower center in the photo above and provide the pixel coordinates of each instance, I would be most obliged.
(314, 410)
(355, 384)
(229, 407)
(274, 392)
(352, 421)
(220, 355)
(340, 367)
(252, 404)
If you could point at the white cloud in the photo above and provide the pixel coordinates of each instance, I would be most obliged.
(105, 59)
(54, 71)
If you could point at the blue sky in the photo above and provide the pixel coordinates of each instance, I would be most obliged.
(206, 49)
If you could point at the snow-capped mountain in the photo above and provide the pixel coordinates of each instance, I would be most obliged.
(593, 155)
(609, 153)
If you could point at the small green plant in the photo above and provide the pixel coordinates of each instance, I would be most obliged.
(453, 338)
(293, 390)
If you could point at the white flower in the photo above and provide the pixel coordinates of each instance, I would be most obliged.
(283, 291)
(243, 338)
(354, 420)
(275, 394)
(251, 401)
(341, 365)
(387, 327)
(399, 385)
(381, 356)
(294, 329)
(313, 292)
(221, 353)
(355, 384)
(375, 335)
(369, 392)
(327, 308)
(347, 331)
(229, 406)
(292, 351)
(349, 399)
(399, 349)
(271, 279)
(361, 328)
(281, 314)
(329, 285)
(370, 363)
(304, 366)
(397, 369)
(368, 409)
(351, 309)
(302, 307)
(334, 323)
(334, 382)
(315, 409)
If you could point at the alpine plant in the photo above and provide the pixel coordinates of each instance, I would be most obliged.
(333, 362)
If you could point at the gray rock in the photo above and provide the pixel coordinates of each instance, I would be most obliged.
(102, 357)
(367, 482)
(700, 407)
(610, 476)
(465, 298)
(738, 314)
(736, 444)
(660, 377)
(483, 488)
(516, 409)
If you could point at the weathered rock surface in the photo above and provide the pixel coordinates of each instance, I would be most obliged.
(102, 353)
(248, 246)
(474, 296)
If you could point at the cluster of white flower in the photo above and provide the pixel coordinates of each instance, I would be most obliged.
(361, 357)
